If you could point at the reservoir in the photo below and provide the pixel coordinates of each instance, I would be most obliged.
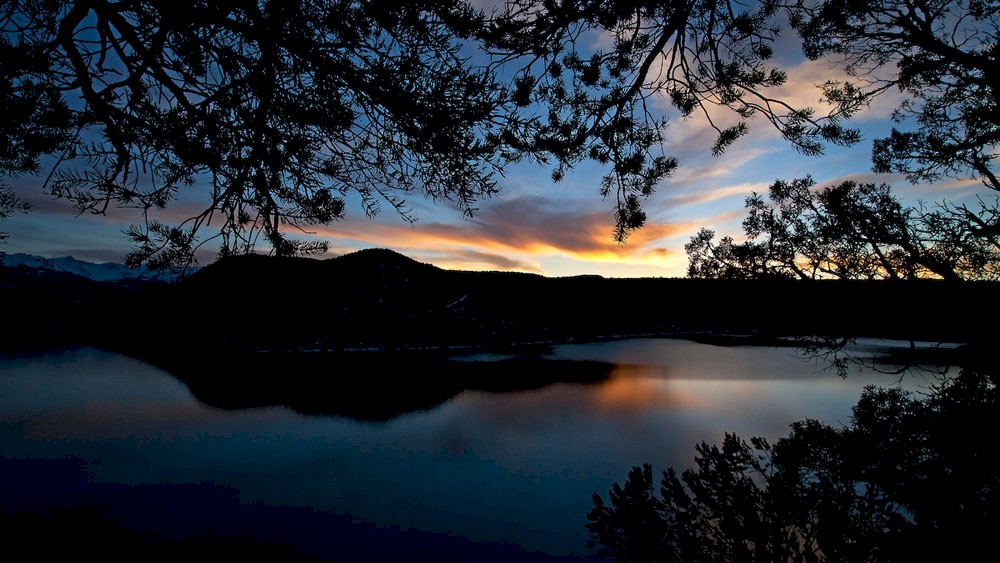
(505, 466)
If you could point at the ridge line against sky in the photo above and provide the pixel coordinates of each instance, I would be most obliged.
(538, 226)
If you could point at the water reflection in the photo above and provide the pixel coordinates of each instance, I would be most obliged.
(491, 465)
(364, 386)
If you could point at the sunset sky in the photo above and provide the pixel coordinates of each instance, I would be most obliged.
(535, 225)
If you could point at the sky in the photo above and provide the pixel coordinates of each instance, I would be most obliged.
(538, 226)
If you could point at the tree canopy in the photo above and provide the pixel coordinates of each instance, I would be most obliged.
(849, 231)
(280, 107)
(283, 109)
(941, 55)
(940, 58)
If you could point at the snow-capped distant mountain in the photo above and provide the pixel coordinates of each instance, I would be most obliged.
(104, 272)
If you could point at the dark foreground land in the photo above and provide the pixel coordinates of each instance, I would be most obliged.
(381, 300)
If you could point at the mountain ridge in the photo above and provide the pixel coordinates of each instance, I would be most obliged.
(95, 271)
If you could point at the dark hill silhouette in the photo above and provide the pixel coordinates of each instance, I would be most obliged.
(380, 299)
(381, 259)
(371, 298)
(288, 273)
(48, 308)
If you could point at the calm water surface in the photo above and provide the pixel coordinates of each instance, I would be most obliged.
(518, 467)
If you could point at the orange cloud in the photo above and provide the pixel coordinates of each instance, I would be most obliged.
(507, 233)
(461, 259)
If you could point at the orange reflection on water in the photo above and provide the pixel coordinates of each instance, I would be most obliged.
(636, 387)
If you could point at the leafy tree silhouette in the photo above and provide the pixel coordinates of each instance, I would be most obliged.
(940, 58)
(848, 231)
(285, 109)
(908, 479)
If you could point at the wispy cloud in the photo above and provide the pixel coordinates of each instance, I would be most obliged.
(709, 195)
(465, 259)
(706, 167)
(513, 235)
(803, 89)
(192, 202)
(950, 188)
